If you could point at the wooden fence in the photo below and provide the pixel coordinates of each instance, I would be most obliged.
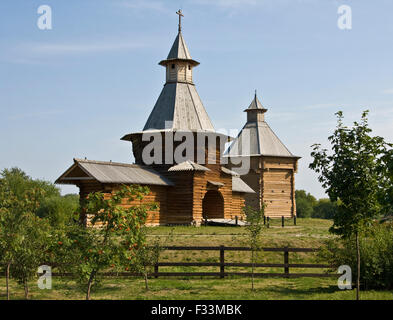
(222, 273)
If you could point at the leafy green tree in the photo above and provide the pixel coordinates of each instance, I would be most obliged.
(17, 239)
(254, 219)
(20, 198)
(19, 182)
(115, 232)
(31, 251)
(305, 203)
(351, 174)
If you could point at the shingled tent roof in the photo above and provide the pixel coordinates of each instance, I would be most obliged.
(179, 107)
(257, 139)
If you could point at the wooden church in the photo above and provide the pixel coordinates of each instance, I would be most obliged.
(200, 185)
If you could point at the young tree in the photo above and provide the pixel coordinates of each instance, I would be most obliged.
(351, 175)
(9, 233)
(144, 260)
(254, 219)
(19, 201)
(115, 231)
(31, 251)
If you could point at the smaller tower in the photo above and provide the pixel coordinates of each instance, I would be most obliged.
(272, 165)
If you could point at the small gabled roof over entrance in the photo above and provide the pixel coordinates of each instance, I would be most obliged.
(112, 172)
(188, 166)
(238, 185)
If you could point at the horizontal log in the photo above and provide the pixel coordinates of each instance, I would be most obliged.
(212, 248)
(241, 264)
(205, 274)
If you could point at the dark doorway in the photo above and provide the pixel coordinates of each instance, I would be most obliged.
(213, 205)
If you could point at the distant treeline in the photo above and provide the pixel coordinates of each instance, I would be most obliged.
(58, 209)
(307, 206)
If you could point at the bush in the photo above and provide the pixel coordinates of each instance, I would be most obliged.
(376, 252)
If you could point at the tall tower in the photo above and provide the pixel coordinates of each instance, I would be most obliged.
(179, 107)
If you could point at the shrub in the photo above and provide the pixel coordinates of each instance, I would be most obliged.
(376, 252)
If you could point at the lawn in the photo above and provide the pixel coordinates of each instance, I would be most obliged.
(307, 233)
(199, 289)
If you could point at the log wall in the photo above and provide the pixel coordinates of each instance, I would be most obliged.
(158, 194)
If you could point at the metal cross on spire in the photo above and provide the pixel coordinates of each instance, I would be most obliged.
(180, 15)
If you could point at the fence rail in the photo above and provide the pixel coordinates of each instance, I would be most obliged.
(222, 264)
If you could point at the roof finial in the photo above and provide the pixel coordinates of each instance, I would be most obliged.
(180, 15)
(255, 93)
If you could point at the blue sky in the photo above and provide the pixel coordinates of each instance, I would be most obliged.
(75, 90)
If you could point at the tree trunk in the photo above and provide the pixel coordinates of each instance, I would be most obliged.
(89, 284)
(252, 269)
(146, 283)
(7, 279)
(26, 289)
(358, 266)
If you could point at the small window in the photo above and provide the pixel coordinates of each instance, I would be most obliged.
(189, 67)
(173, 66)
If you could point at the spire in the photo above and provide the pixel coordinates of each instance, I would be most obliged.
(179, 50)
(256, 105)
(180, 15)
(179, 105)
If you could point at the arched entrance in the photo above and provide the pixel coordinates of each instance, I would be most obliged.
(213, 205)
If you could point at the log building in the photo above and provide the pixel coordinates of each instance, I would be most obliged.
(187, 191)
(194, 183)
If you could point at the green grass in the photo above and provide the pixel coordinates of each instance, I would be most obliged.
(198, 289)
(307, 233)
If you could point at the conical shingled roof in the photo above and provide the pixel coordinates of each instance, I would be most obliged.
(179, 107)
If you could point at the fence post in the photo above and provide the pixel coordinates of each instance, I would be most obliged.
(286, 260)
(294, 220)
(282, 221)
(236, 220)
(222, 261)
(156, 270)
(268, 222)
